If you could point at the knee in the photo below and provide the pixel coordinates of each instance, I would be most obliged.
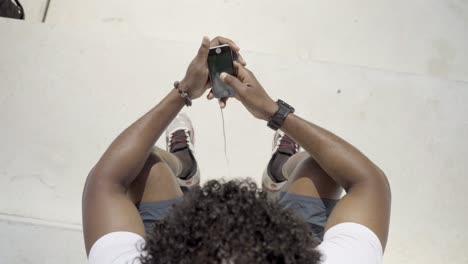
(310, 179)
(308, 166)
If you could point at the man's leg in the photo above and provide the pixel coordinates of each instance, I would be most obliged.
(290, 170)
(165, 171)
(310, 192)
(157, 180)
(159, 185)
(307, 178)
(303, 176)
(298, 183)
(156, 189)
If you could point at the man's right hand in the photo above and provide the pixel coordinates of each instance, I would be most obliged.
(368, 198)
(251, 93)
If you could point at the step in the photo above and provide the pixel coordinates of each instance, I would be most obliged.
(25, 243)
(418, 37)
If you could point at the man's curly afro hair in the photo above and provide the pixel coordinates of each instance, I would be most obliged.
(230, 222)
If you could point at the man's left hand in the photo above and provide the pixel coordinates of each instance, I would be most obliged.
(196, 81)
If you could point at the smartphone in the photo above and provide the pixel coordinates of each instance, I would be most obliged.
(220, 60)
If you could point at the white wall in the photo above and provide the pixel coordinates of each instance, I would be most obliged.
(69, 86)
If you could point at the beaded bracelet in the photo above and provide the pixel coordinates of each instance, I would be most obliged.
(183, 94)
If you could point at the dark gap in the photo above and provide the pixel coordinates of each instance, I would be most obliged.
(46, 11)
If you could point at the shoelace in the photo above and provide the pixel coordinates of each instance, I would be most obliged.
(286, 143)
(178, 137)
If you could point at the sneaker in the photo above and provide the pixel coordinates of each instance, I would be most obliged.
(181, 135)
(281, 144)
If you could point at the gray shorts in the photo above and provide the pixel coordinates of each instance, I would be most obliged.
(314, 211)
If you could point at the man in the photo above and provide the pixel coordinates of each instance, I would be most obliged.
(134, 191)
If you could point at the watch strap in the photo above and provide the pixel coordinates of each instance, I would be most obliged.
(277, 120)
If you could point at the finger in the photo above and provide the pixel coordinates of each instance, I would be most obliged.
(232, 81)
(222, 102)
(241, 71)
(207, 84)
(204, 49)
(241, 60)
(210, 95)
(238, 57)
(221, 40)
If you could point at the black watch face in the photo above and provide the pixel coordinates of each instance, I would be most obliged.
(283, 112)
(283, 103)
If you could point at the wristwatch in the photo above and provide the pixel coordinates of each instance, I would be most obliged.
(278, 118)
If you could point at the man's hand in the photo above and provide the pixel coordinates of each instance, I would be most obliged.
(251, 93)
(196, 81)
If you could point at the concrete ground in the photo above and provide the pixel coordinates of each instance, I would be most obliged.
(391, 77)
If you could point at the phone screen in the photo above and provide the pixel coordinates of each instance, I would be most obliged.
(220, 60)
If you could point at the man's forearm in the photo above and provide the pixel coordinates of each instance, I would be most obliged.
(127, 154)
(343, 162)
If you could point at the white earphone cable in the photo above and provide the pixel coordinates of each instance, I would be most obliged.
(225, 146)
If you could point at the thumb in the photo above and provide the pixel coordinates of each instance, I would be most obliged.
(232, 81)
(204, 49)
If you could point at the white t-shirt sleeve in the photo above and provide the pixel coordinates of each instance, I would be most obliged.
(343, 243)
(117, 248)
(351, 243)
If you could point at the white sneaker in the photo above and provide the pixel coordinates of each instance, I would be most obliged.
(282, 144)
(180, 135)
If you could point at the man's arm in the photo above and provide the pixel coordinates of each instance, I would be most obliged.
(368, 197)
(106, 207)
(367, 201)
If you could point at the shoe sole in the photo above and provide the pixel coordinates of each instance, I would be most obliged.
(189, 183)
(267, 180)
(269, 184)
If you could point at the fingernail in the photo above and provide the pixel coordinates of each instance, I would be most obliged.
(223, 76)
